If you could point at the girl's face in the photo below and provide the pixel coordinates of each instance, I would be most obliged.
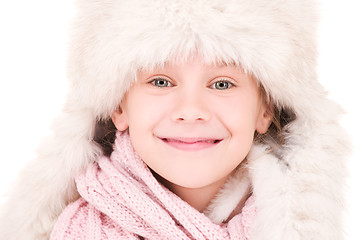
(192, 123)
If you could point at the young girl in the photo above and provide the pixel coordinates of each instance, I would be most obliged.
(188, 120)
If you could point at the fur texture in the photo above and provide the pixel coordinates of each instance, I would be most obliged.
(236, 188)
(298, 187)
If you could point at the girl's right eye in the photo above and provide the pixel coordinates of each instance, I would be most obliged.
(161, 82)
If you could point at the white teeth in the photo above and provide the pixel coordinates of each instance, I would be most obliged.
(212, 141)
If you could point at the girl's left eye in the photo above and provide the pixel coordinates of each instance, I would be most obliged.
(222, 85)
(161, 83)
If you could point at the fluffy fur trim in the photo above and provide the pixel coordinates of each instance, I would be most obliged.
(299, 191)
(236, 188)
(298, 187)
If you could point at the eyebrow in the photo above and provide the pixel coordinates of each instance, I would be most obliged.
(223, 64)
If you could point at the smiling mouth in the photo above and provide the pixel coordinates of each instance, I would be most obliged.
(191, 144)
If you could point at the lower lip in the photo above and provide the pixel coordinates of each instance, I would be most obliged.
(195, 146)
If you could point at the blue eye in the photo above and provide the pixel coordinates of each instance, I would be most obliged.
(161, 82)
(222, 85)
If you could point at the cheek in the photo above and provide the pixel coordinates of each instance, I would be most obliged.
(145, 111)
(238, 114)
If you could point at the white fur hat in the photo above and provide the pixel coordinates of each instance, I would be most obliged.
(298, 187)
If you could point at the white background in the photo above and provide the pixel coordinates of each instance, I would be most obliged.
(33, 52)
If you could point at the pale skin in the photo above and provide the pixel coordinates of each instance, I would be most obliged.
(193, 124)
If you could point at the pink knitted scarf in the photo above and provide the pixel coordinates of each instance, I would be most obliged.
(121, 199)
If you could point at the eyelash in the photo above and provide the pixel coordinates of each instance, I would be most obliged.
(154, 82)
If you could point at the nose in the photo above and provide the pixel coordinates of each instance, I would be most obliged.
(190, 107)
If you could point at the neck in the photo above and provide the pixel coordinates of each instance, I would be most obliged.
(198, 198)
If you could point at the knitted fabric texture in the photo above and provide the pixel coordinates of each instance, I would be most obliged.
(121, 199)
